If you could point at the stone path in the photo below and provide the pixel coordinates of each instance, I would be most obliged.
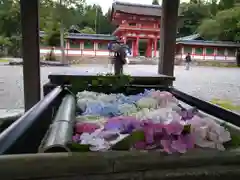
(204, 82)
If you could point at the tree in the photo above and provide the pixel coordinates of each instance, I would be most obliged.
(52, 34)
(192, 13)
(104, 24)
(224, 26)
(88, 30)
(155, 2)
(226, 4)
(62, 11)
(10, 18)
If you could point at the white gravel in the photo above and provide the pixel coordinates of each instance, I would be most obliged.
(203, 82)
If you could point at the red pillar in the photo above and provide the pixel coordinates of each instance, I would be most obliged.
(125, 40)
(155, 47)
(149, 48)
(135, 47)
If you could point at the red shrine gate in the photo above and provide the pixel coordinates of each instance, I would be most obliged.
(137, 22)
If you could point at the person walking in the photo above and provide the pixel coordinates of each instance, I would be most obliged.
(188, 60)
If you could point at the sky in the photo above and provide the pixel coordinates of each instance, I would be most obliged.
(106, 4)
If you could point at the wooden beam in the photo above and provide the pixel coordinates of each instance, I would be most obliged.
(30, 52)
(168, 30)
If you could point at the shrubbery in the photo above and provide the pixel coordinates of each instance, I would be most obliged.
(51, 56)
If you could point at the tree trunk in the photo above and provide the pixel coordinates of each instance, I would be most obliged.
(63, 59)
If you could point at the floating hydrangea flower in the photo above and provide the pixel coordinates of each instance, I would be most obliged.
(147, 102)
(83, 103)
(142, 114)
(127, 109)
(107, 98)
(174, 128)
(110, 110)
(122, 123)
(165, 123)
(87, 94)
(208, 133)
(93, 108)
(188, 114)
(178, 144)
(95, 141)
(99, 120)
(132, 99)
(86, 127)
(163, 98)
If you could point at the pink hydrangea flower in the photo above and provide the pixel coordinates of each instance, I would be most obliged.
(163, 97)
(86, 127)
(174, 127)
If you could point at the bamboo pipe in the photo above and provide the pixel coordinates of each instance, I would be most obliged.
(61, 130)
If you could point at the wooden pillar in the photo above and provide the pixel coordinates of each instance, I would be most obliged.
(30, 52)
(168, 36)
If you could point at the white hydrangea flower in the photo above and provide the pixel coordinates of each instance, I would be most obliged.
(95, 141)
(147, 102)
(83, 102)
(87, 94)
(208, 133)
(142, 114)
(107, 98)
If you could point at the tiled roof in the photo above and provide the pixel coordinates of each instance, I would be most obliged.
(209, 43)
(87, 36)
(91, 36)
(190, 37)
(139, 9)
(194, 40)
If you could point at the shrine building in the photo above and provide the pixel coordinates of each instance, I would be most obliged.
(137, 22)
(139, 27)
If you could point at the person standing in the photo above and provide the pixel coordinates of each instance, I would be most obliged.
(238, 57)
(119, 59)
(188, 60)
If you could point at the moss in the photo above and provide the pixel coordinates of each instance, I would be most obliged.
(217, 64)
(3, 60)
(226, 104)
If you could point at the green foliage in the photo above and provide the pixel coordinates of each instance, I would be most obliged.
(4, 41)
(76, 147)
(224, 26)
(226, 4)
(52, 37)
(109, 79)
(192, 13)
(203, 13)
(88, 30)
(155, 2)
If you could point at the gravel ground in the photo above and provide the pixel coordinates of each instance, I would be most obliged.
(203, 82)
